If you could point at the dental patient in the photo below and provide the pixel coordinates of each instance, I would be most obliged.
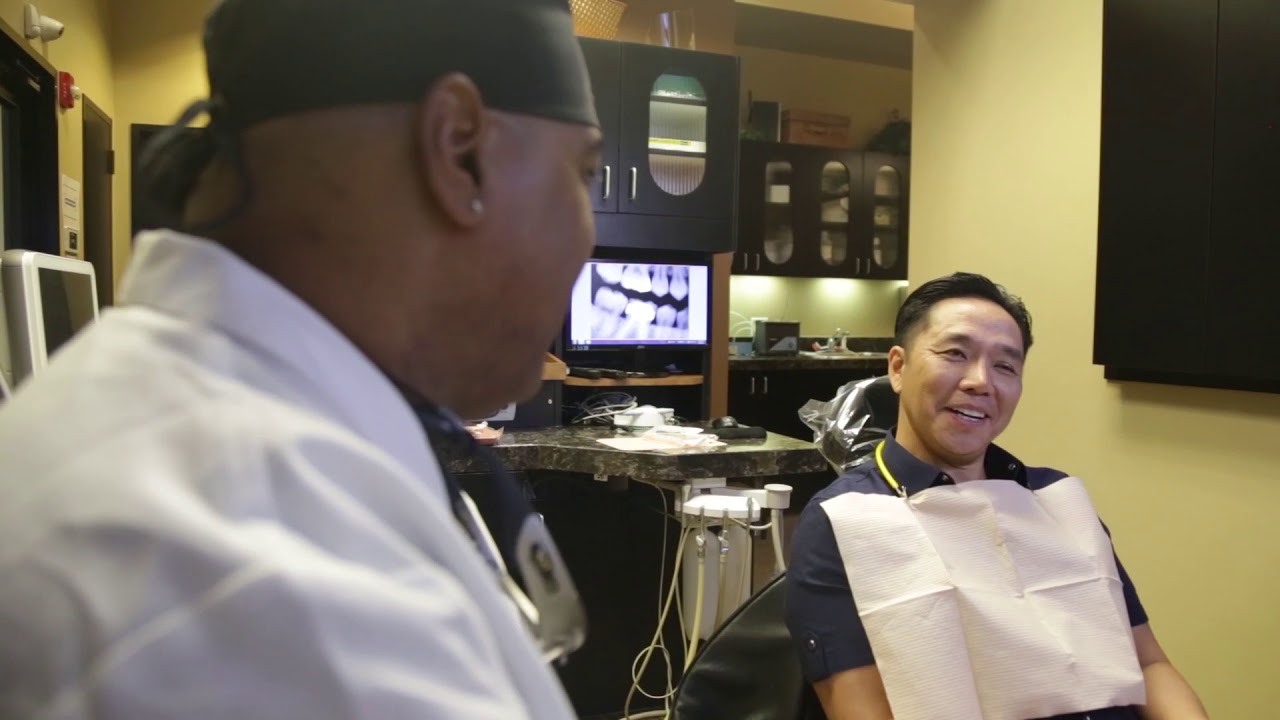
(946, 580)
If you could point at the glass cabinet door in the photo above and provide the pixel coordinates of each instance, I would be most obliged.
(888, 217)
(679, 134)
(836, 195)
(779, 215)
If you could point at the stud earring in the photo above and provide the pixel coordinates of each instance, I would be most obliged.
(477, 206)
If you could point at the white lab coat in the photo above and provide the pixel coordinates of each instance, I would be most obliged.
(213, 506)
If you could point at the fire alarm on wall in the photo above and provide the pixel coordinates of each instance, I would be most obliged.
(68, 91)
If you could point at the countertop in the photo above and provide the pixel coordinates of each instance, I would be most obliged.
(802, 362)
(574, 449)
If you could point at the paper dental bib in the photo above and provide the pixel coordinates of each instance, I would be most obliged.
(986, 601)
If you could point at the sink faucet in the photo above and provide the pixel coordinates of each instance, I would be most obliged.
(843, 336)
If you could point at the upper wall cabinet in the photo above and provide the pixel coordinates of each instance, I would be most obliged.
(884, 192)
(1188, 222)
(807, 211)
(670, 166)
(604, 60)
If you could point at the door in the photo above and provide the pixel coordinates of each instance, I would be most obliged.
(1157, 166)
(747, 403)
(10, 192)
(96, 195)
(604, 60)
(679, 143)
(768, 211)
(28, 151)
(833, 249)
(884, 237)
(1244, 247)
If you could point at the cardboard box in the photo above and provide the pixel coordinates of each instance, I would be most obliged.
(804, 127)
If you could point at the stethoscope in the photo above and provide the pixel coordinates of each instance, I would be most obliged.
(524, 558)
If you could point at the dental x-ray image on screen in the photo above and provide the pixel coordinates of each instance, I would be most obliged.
(639, 304)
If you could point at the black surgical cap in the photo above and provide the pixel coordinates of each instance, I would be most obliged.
(274, 58)
(269, 58)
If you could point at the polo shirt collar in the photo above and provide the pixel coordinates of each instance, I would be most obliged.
(916, 475)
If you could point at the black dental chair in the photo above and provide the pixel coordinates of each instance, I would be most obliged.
(749, 669)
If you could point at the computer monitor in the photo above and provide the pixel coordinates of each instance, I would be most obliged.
(47, 300)
(634, 305)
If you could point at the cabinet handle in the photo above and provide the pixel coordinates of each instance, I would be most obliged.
(635, 179)
(858, 270)
(753, 385)
(757, 262)
(746, 261)
(608, 181)
(766, 385)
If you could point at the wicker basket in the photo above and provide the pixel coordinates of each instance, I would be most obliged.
(597, 18)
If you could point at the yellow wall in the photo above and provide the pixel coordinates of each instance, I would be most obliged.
(82, 51)
(873, 12)
(863, 308)
(866, 93)
(1005, 182)
(159, 68)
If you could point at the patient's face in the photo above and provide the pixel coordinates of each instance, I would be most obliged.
(960, 379)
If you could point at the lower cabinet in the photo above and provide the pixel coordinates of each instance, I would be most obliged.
(772, 398)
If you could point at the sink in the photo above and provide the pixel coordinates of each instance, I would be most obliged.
(844, 354)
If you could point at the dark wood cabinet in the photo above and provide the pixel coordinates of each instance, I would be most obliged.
(1156, 169)
(1243, 328)
(1187, 215)
(669, 176)
(604, 60)
(808, 211)
(773, 194)
(882, 248)
(678, 146)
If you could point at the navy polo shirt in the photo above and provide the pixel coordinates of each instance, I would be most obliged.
(821, 609)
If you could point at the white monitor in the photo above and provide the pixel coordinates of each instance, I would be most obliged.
(47, 300)
(628, 305)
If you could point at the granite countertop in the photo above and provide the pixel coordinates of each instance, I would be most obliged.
(574, 449)
(867, 361)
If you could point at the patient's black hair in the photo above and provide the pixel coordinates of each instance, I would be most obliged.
(915, 310)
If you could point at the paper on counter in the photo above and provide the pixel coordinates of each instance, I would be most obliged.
(664, 441)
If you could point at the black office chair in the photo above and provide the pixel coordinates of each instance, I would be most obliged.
(748, 669)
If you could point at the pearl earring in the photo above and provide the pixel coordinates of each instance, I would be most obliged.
(477, 206)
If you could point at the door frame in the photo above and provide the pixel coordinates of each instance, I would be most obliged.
(103, 259)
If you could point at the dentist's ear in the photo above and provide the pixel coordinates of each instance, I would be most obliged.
(450, 128)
